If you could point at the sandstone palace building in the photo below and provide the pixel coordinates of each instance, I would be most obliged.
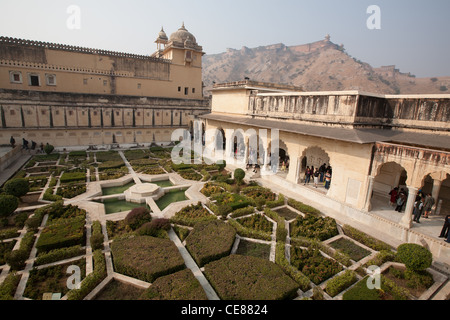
(373, 143)
(74, 96)
(80, 97)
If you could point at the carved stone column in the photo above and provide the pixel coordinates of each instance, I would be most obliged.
(435, 193)
(406, 220)
(368, 204)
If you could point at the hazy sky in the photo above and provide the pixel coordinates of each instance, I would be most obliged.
(414, 34)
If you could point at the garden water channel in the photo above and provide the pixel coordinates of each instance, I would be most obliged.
(129, 195)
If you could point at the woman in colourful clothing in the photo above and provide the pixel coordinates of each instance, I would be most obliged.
(327, 179)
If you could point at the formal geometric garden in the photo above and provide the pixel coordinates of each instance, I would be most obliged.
(139, 227)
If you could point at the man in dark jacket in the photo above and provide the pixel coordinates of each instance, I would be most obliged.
(445, 228)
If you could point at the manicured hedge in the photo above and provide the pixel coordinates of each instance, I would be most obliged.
(181, 285)
(363, 238)
(312, 264)
(300, 206)
(249, 233)
(239, 277)
(276, 203)
(146, 258)
(71, 191)
(9, 286)
(281, 224)
(414, 256)
(72, 177)
(49, 196)
(210, 241)
(242, 212)
(17, 258)
(314, 227)
(211, 188)
(235, 201)
(341, 282)
(97, 237)
(256, 222)
(62, 233)
(110, 165)
(298, 276)
(59, 254)
(257, 192)
(192, 214)
(92, 280)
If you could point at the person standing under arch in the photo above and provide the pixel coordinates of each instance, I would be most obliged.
(428, 205)
(316, 177)
(327, 179)
(307, 175)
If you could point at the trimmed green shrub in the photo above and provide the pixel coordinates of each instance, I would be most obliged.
(414, 256)
(314, 227)
(137, 217)
(48, 148)
(68, 177)
(249, 233)
(300, 206)
(17, 187)
(239, 175)
(259, 193)
(361, 292)
(49, 196)
(181, 285)
(363, 238)
(92, 280)
(156, 228)
(9, 286)
(256, 222)
(238, 277)
(192, 214)
(382, 257)
(62, 233)
(18, 257)
(210, 241)
(341, 282)
(242, 212)
(298, 276)
(97, 237)
(59, 254)
(276, 203)
(8, 204)
(146, 258)
(281, 224)
(314, 265)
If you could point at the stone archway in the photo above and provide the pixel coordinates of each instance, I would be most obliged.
(276, 162)
(438, 185)
(389, 175)
(312, 157)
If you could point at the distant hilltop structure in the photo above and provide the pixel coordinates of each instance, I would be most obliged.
(303, 48)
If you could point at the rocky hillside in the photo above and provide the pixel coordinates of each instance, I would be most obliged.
(318, 66)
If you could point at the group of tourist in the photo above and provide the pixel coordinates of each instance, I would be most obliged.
(319, 175)
(26, 144)
(423, 205)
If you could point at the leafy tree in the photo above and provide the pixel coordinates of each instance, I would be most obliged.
(8, 204)
(414, 256)
(239, 175)
(48, 148)
(137, 217)
(17, 187)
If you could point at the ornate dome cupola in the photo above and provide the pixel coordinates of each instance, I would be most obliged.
(181, 46)
(162, 40)
(181, 35)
